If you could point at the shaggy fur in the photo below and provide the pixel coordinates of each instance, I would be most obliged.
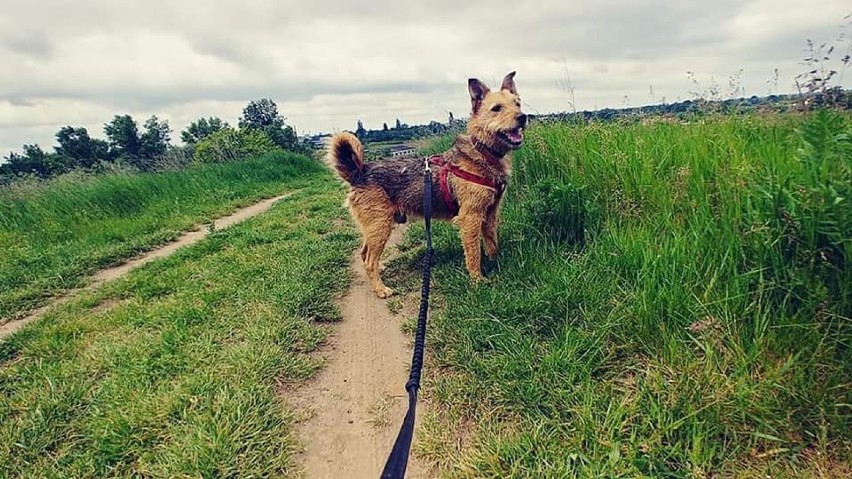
(386, 191)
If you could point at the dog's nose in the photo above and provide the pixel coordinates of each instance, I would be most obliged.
(522, 119)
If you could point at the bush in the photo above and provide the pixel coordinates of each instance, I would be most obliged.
(557, 211)
(806, 207)
(233, 145)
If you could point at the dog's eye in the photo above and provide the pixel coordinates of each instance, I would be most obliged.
(497, 107)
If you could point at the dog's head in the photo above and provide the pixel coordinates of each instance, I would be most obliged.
(496, 118)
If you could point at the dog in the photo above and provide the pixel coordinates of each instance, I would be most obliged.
(469, 180)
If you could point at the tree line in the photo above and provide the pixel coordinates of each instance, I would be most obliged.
(402, 132)
(261, 128)
(834, 98)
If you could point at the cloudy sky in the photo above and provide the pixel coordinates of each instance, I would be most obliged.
(328, 63)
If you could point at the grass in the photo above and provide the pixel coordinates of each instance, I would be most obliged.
(54, 234)
(671, 300)
(176, 370)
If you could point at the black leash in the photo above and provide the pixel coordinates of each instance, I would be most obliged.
(398, 459)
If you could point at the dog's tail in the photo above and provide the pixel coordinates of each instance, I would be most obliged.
(346, 155)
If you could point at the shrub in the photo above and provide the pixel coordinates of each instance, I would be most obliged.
(233, 145)
(557, 211)
(807, 207)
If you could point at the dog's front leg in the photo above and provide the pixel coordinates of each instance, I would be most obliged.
(489, 231)
(470, 226)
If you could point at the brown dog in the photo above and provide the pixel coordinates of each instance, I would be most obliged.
(468, 180)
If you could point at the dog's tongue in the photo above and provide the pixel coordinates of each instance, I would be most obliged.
(515, 136)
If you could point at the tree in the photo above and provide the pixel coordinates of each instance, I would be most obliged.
(78, 150)
(360, 131)
(436, 128)
(139, 150)
(34, 161)
(398, 124)
(263, 115)
(9, 167)
(260, 114)
(285, 138)
(123, 136)
(154, 142)
(385, 126)
(202, 128)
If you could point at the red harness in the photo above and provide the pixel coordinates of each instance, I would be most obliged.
(447, 168)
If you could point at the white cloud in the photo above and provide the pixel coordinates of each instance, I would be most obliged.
(328, 63)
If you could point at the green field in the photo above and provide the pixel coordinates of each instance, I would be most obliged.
(53, 234)
(176, 370)
(671, 300)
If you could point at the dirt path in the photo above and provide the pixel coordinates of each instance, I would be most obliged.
(104, 275)
(356, 403)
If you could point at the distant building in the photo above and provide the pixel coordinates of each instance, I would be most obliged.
(320, 142)
(401, 150)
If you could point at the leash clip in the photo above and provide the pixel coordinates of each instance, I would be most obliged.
(426, 162)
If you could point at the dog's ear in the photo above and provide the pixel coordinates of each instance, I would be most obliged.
(509, 84)
(477, 90)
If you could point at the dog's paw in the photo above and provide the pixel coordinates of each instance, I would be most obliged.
(384, 292)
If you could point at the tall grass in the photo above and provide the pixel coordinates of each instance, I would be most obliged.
(53, 234)
(671, 300)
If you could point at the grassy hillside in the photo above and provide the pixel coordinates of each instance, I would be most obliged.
(53, 234)
(671, 300)
(177, 369)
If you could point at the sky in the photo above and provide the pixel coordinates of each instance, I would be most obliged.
(329, 63)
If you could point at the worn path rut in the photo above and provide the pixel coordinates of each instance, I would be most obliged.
(104, 275)
(354, 406)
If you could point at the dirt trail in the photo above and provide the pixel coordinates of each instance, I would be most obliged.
(356, 403)
(104, 275)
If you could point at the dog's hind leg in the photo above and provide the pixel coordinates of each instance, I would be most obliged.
(376, 235)
(374, 214)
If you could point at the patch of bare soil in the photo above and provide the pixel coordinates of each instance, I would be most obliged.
(355, 405)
